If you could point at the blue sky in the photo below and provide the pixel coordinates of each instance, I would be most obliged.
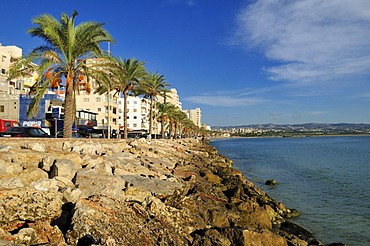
(241, 62)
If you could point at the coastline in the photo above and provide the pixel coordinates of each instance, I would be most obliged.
(126, 192)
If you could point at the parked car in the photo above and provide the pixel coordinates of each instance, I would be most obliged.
(25, 131)
(74, 135)
(6, 124)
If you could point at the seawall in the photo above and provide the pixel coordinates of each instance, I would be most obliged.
(134, 192)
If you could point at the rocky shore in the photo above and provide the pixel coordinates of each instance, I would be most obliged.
(134, 192)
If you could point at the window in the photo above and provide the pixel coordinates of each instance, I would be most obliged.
(135, 110)
(86, 99)
(99, 109)
(135, 102)
(135, 125)
(135, 117)
(98, 99)
(2, 108)
(3, 70)
(3, 59)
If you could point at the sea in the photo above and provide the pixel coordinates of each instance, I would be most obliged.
(327, 179)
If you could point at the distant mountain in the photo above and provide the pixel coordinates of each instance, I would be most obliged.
(308, 126)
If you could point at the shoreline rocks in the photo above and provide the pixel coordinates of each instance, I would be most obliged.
(134, 192)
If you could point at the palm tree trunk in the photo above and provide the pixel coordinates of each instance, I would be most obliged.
(162, 127)
(151, 116)
(68, 108)
(125, 95)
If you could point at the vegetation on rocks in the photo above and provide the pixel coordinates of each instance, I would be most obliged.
(134, 192)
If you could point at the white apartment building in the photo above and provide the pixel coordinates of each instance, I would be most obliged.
(137, 113)
(194, 115)
(10, 90)
(9, 55)
(171, 97)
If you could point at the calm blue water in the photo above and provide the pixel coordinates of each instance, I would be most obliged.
(327, 179)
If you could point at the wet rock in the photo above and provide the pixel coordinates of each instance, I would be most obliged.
(271, 182)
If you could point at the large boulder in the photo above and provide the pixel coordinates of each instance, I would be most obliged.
(28, 204)
(236, 236)
(153, 185)
(64, 168)
(91, 182)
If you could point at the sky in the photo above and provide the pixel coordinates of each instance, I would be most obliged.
(240, 61)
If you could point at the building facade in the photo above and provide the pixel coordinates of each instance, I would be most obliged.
(137, 114)
(106, 108)
(171, 97)
(195, 116)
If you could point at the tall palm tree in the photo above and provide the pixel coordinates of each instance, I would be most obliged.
(164, 110)
(151, 86)
(122, 76)
(61, 58)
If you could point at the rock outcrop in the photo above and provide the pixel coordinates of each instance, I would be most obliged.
(134, 192)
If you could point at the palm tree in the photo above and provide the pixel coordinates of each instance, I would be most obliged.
(188, 127)
(178, 117)
(164, 110)
(61, 58)
(122, 76)
(151, 86)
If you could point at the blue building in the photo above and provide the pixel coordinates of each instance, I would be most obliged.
(41, 118)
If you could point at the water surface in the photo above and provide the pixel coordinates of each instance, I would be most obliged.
(325, 178)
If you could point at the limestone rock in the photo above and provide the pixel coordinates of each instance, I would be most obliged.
(63, 182)
(72, 195)
(27, 204)
(34, 146)
(91, 183)
(47, 162)
(47, 234)
(10, 183)
(46, 185)
(63, 168)
(153, 185)
(27, 176)
(26, 236)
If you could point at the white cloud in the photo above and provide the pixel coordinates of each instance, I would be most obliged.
(314, 40)
(225, 101)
